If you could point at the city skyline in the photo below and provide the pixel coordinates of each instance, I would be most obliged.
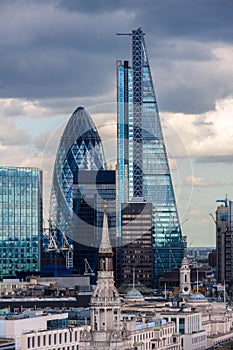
(55, 63)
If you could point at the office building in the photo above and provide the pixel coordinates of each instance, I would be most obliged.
(143, 170)
(93, 190)
(40, 329)
(81, 185)
(136, 248)
(224, 243)
(20, 220)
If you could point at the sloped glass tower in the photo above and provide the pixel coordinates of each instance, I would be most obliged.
(80, 149)
(143, 170)
(75, 193)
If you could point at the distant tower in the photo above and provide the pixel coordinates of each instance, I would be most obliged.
(224, 242)
(106, 330)
(185, 284)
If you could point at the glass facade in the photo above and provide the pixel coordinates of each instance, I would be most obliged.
(80, 186)
(20, 220)
(80, 149)
(145, 167)
(136, 244)
(92, 190)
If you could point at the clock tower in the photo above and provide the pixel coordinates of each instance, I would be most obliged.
(185, 284)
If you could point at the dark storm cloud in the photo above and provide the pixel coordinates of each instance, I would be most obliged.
(66, 49)
(202, 19)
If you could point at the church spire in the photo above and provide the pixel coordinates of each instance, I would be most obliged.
(105, 261)
(105, 245)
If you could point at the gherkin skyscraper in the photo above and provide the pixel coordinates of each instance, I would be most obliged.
(80, 149)
(80, 186)
(143, 171)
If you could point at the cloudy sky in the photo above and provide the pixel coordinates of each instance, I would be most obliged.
(58, 54)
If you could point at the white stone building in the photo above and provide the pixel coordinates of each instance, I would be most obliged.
(189, 325)
(31, 330)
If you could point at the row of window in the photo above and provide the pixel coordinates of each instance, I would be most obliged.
(52, 339)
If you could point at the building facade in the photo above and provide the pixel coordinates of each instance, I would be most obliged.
(92, 190)
(143, 169)
(224, 243)
(20, 220)
(136, 250)
(80, 186)
(40, 330)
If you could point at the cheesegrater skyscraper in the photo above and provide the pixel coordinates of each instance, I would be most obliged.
(143, 171)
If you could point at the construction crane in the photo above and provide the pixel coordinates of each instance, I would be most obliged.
(213, 218)
(55, 246)
(88, 270)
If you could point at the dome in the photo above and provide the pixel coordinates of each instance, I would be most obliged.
(197, 296)
(134, 295)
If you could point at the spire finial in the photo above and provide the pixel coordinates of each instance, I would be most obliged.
(105, 244)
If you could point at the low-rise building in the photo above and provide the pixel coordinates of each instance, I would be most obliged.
(38, 330)
(155, 334)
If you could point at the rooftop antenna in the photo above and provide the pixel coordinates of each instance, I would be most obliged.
(133, 278)
(225, 201)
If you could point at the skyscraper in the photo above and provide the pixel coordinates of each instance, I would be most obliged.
(224, 242)
(136, 248)
(92, 189)
(20, 220)
(81, 184)
(143, 169)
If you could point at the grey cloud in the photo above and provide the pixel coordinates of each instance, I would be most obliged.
(201, 121)
(47, 142)
(209, 18)
(228, 159)
(67, 49)
(11, 136)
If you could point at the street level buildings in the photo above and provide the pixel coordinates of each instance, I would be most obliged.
(20, 220)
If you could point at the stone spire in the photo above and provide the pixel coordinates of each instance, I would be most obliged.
(105, 245)
(107, 332)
